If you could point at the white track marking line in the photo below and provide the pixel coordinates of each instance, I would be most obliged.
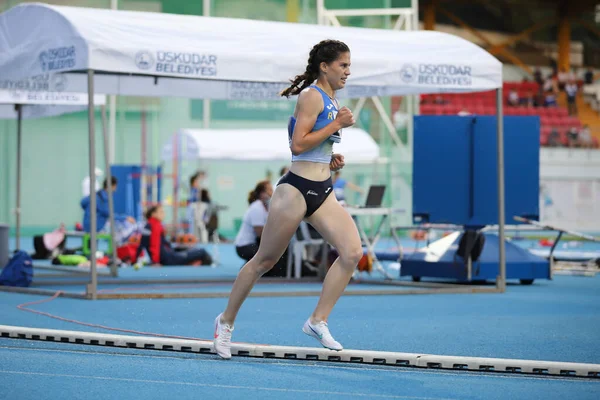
(105, 378)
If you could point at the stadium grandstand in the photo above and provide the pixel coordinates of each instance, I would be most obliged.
(550, 50)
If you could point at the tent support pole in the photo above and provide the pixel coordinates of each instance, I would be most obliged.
(112, 99)
(112, 126)
(501, 279)
(19, 108)
(206, 11)
(206, 114)
(321, 12)
(359, 106)
(111, 204)
(389, 125)
(92, 287)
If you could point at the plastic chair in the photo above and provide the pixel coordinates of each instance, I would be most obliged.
(99, 236)
(299, 243)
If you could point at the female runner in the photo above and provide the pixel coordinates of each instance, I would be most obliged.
(305, 193)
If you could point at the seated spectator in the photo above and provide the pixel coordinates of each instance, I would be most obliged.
(248, 238)
(513, 98)
(550, 99)
(550, 84)
(573, 137)
(528, 100)
(554, 138)
(160, 250)
(124, 225)
(439, 100)
(50, 244)
(585, 137)
(571, 89)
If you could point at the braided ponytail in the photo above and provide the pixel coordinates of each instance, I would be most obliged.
(306, 79)
(325, 51)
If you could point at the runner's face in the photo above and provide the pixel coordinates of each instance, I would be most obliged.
(338, 71)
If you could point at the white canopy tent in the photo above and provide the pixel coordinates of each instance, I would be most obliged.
(10, 111)
(152, 54)
(42, 104)
(149, 53)
(357, 146)
(19, 105)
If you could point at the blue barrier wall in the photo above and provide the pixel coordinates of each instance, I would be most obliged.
(455, 176)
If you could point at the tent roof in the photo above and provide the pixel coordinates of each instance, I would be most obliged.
(39, 104)
(357, 146)
(221, 54)
(38, 111)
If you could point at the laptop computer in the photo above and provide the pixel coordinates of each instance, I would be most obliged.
(375, 196)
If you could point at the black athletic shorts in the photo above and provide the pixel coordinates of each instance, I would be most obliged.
(314, 192)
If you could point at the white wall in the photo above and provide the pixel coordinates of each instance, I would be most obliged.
(559, 163)
(570, 188)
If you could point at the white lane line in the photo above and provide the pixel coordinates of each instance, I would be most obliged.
(269, 389)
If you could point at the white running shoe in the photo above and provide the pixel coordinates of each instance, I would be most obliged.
(222, 341)
(320, 332)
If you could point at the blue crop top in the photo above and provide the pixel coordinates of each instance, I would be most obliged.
(321, 153)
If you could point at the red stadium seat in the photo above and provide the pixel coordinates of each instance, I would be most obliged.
(425, 109)
(542, 111)
(572, 122)
(555, 121)
(478, 110)
(522, 111)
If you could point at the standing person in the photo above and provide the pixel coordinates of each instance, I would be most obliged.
(571, 89)
(304, 192)
(195, 193)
